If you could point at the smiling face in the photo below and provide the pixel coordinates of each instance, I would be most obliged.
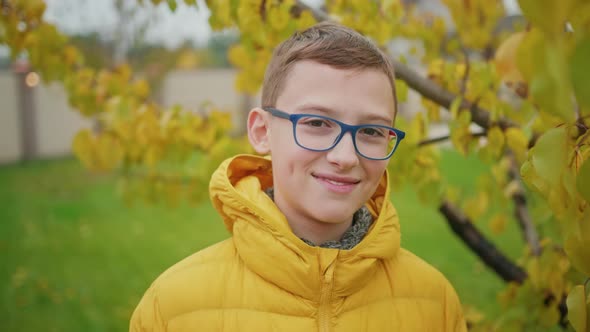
(324, 189)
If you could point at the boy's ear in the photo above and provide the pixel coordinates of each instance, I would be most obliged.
(259, 130)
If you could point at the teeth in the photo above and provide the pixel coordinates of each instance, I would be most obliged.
(336, 182)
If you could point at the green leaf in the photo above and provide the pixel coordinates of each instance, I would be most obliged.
(579, 69)
(583, 180)
(576, 308)
(549, 15)
(454, 108)
(401, 89)
(549, 155)
(190, 2)
(576, 244)
(543, 64)
(172, 4)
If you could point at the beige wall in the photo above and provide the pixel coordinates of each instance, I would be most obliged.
(191, 89)
(10, 147)
(57, 123)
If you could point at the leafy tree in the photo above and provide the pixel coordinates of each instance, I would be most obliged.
(215, 55)
(517, 98)
(98, 53)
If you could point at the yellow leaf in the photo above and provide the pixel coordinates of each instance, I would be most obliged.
(583, 181)
(207, 137)
(401, 90)
(476, 206)
(576, 307)
(416, 130)
(473, 315)
(190, 135)
(496, 141)
(305, 21)
(71, 55)
(548, 15)
(109, 152)
(278, 18)
(221, 120)
(187, 60)
(578, 66)
(549, 315)
(141, 88)
(498, 223)
(124, 130)
(507, 296)
(534, 271)
(505, 59)
(435, 70)
(517, 142)
(152, 155)
(238, 56)
(125, 71)
(576, 244)
(83, 146)
(460, 134)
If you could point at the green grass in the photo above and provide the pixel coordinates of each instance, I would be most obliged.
(76, 258)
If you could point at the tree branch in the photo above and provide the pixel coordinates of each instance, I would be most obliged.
(476, 241)
(426, 87)
(444, 98)
(446, 137)
(465, 78)
(521, 211)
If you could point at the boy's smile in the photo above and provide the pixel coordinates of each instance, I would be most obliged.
(336, 183)
(319, 191)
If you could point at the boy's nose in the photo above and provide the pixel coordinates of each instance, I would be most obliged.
(344, 154)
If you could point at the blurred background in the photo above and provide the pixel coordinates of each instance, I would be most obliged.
(77, 251)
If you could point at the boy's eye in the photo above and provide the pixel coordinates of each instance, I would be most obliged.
(315, 122)
(374, 132)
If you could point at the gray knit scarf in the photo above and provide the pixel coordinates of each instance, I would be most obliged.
(361, 221)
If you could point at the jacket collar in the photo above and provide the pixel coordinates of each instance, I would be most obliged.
(264, 241)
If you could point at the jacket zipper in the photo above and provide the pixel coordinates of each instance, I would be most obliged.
(324, 310)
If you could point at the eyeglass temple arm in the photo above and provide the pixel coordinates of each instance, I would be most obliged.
(277, 113)
(400, 134)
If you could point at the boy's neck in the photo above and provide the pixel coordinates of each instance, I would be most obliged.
(315, 231)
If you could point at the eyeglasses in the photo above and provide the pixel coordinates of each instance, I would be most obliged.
(321, 133)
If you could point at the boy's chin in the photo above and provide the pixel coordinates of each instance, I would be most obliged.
(335, 217)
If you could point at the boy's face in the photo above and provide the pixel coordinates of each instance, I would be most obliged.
(329, 186)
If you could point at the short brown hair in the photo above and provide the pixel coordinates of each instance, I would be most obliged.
(327, 43)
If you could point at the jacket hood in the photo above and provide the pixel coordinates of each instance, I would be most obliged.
(266, 244)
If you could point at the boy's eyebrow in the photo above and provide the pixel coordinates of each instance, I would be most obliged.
(314, 107)
(369, 118)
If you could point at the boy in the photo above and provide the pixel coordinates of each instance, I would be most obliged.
(315, 241)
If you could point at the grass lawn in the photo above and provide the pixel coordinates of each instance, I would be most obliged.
(75, 258)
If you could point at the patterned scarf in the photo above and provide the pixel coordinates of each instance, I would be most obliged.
(361, 221)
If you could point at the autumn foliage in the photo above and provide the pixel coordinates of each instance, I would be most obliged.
(516, 96)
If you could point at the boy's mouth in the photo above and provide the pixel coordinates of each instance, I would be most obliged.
(337, 180)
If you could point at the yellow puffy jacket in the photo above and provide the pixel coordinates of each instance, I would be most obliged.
(264, 278)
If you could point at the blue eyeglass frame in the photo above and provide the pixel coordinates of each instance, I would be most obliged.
(345, 128)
